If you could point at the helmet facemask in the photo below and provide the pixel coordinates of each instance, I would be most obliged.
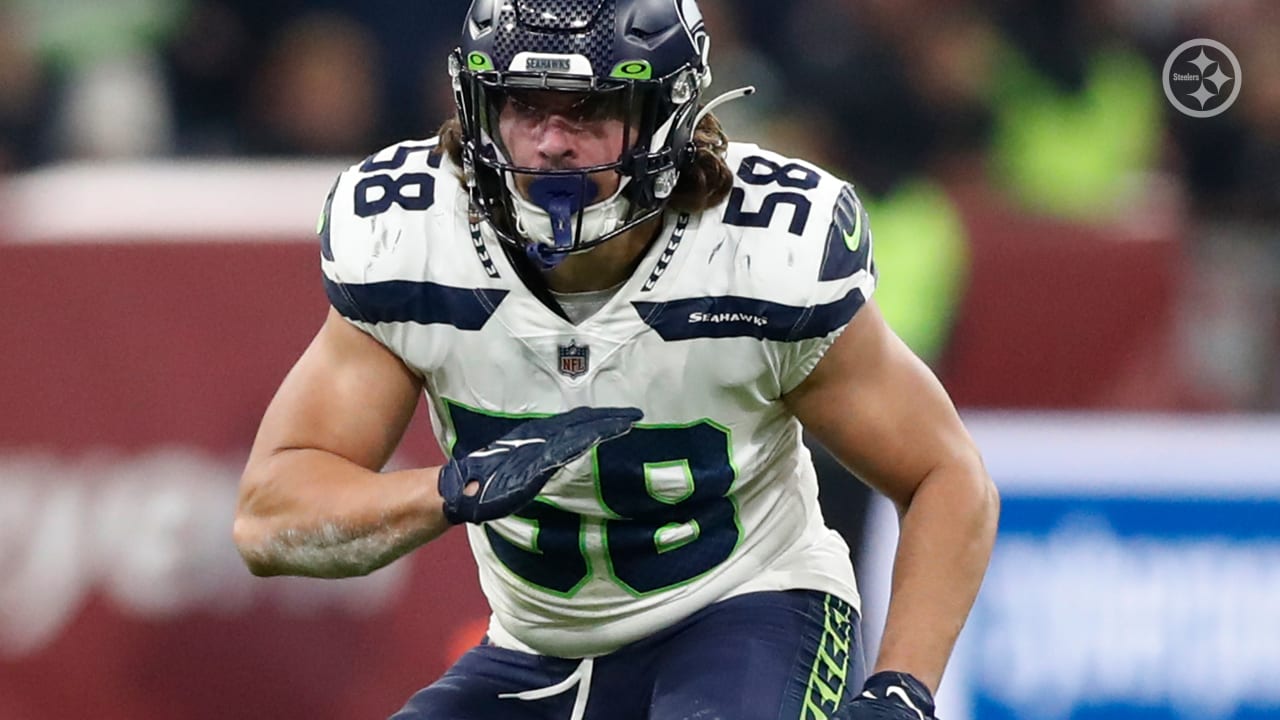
(553, 212)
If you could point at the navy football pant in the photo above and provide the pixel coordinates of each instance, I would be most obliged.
(791, 655)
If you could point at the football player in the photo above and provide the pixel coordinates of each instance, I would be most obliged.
(621, 322)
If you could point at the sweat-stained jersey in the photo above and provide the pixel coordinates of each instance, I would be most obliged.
(713, 494)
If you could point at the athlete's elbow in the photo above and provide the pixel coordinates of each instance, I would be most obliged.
(250, 531)
(976, 468)
(991, 504)
(253, 545)
(260, 566)
(983, 495)
(962, 484)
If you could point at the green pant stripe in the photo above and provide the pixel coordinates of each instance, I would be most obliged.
(830, 669)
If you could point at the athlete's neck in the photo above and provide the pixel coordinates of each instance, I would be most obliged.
(605, 265)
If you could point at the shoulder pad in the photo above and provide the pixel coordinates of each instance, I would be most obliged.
(402, 176)
(374, 202)
(780, 202)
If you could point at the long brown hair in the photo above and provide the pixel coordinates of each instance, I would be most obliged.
(703, 184)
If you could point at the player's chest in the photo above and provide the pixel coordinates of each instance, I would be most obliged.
(528, 360)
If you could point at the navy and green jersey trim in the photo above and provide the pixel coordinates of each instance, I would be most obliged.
(848, 247)
(425, 303)
(731, 316)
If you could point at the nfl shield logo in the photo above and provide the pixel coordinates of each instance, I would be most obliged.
(575, 359)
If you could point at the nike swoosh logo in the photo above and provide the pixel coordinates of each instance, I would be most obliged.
(854, 239)
(484, 489)
(520, 443)
(902, 694)
(506, 446)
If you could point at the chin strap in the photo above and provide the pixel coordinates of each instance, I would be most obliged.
(722, 99)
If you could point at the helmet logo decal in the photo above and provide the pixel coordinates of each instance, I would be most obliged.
(690, 13)
(691, 16)
(551, 63)
(633, 70)
(535, 64)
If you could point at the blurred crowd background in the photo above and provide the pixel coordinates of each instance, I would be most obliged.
(1052, 108)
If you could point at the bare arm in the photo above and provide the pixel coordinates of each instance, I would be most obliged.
(312, 501)
(884, 415)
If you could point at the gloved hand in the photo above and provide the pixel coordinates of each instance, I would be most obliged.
(510, 472)
(890, 696)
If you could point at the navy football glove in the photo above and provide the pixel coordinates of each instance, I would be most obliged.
(510, 471)
(890, 696)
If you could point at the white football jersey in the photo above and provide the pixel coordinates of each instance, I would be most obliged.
(713, 494)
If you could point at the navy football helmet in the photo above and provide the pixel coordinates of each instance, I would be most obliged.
(644, 61)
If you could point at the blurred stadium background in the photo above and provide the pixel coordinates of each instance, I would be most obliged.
(1095, 276)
